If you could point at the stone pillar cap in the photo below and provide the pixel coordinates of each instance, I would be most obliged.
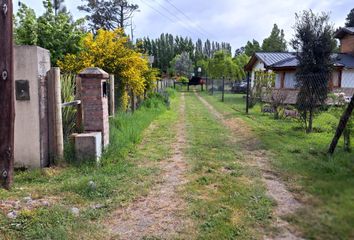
(94, 72)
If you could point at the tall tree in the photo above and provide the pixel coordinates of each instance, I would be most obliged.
(26, 26)
(222, 65)
(59, 34)
(108, 14)
(314, 44)
(182, 64)
(239, 51)
(276, 41)
(207, 49)
(252, 47)
(350, 19)
(241, 60)
(59, 6)
(199, 50)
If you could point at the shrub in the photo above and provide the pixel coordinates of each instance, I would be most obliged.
(183, 80)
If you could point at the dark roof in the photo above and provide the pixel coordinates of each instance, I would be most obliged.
(339, 60)
(291, 62)
(268, 58)
(343, 59)
(344, 31)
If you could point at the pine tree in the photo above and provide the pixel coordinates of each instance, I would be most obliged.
(59, 6)
(108, 14)
(350, 19)
(275, 42)
(252, 47)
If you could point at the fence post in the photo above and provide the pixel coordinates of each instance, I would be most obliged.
(7, 107)
(56, 138)
(223, 89)
(212, 86)
(248, 92)
(79, 114)
(132, 101)
(111, 95)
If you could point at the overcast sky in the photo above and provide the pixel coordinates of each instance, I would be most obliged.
(233, 21)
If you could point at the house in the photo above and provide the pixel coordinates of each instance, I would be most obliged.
(285, 64)
(262, 61)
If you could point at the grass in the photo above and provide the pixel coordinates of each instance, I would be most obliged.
(226, 198)
(128, 170)
(325, 185)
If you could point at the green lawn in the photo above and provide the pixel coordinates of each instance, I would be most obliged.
(226, 197)
(325, 185)
(127, 171)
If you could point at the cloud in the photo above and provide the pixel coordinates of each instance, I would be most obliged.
(234, 21)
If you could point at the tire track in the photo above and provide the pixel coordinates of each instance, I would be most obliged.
(161, 213)
(276, 189)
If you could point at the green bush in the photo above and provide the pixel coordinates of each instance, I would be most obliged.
(325, 122)
(183, 80)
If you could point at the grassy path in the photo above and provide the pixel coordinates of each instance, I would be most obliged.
(159, 214)
(259, 158)
(205, 188)
(227, 198)
(323, 185)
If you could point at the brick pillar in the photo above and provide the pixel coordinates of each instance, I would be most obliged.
(94, 99)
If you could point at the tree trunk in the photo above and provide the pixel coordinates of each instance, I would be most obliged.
(341, 126)
(310, 127)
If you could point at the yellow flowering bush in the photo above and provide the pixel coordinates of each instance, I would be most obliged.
(109, 50)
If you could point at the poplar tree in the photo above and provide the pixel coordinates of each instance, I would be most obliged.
(275, 42)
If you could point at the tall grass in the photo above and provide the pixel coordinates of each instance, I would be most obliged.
(68, 86)
(126, 128)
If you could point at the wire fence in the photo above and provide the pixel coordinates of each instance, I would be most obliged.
(317, 101)
(220, 87)
(163, 84)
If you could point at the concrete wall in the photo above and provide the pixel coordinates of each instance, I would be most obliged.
(31, 136)
(348, 78)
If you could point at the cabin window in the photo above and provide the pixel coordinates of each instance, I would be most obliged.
(282, 80)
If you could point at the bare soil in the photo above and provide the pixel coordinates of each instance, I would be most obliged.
(276, 188)
(160, 214)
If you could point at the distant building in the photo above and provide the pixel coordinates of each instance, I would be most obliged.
(285, 64)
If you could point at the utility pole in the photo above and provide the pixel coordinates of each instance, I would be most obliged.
(7, 107)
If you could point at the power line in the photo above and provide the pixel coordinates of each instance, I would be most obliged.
(186, 16)
(179, 19)
(163, 15)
